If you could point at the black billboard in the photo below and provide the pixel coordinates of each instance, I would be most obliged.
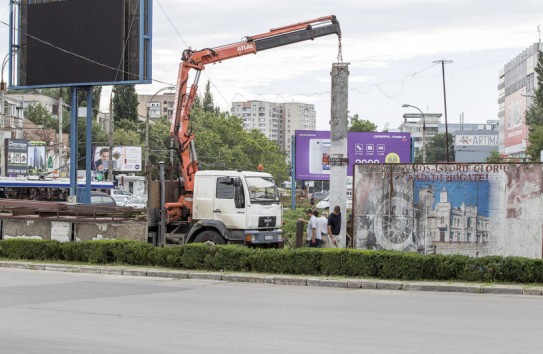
(82, 42)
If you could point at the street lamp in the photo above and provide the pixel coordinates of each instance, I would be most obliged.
(443, 62)
(423, 130)
(167, 88)
(2, 116)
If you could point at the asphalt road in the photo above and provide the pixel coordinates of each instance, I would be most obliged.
(54, 312)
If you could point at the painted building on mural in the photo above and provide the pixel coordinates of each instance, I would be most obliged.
(444, 222)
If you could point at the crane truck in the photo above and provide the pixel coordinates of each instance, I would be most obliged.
(235, 207)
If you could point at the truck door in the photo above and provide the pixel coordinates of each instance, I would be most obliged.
(224, 206)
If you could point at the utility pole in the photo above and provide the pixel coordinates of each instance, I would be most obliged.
(338, 144)
(443, 62)
(110, 139)
(2, 121)
(3, 116)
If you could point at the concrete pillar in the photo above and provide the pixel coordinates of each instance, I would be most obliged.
(338, 142)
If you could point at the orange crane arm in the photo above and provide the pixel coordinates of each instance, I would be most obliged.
(196, 60)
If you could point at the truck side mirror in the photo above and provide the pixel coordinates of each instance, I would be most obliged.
(239, 196)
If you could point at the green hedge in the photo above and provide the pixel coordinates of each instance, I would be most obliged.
(308, 261)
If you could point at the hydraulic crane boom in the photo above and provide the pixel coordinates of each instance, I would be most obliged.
(197, 60)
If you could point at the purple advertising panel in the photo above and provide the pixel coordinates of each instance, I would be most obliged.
(313, 151)
(372, 147)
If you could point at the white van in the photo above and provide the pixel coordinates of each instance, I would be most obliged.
(121, 196)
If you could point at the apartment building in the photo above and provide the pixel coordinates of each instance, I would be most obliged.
(277, 121)
(158, 105)
(517, 84)
(298, 116)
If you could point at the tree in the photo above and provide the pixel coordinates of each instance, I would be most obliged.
(494, 157)
(39, 115)
(159, 140)
(125, 103)
(534, 116)
(536, 143)
(361, 125)
(436, 151)
(222, 143)
(208, 99)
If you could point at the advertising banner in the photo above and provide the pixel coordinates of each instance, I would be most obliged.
(515, 130)
(124, 158)
(16, 157)
(313, 151)
(36, 157)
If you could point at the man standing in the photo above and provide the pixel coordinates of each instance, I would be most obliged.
(314, 238)
(322, 222)
(334, 225)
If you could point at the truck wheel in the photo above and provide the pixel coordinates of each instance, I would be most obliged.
(210, 236)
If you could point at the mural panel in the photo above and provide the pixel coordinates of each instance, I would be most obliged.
(472, 209)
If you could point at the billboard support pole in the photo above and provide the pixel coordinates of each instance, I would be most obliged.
(86, 196)
(292, 175)
(73, 147)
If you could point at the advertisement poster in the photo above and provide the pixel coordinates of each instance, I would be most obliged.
(36, 157)
(515, 130)
(124, 158)
(313, 151)
(16, 157)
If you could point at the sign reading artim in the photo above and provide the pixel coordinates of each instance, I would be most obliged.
(476, 140)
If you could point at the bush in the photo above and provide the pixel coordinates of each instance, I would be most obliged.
(31, 249)
(308, 261)
(231, 258)
(197, 256)
(132, 252)
(167, 256)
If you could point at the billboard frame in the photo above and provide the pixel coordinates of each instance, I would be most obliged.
(144, 72)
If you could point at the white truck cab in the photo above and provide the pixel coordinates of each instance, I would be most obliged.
(246, 203)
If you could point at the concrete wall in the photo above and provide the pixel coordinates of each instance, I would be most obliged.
(471, 209)
(66, 231)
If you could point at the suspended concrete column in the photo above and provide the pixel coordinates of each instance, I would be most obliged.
(338, 144)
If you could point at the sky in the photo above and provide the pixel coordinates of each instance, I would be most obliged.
(390, 45)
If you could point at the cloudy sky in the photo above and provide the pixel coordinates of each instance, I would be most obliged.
(390, 46)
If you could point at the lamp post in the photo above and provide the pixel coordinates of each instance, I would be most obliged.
(443, 62)
(423, 130)
(2, 116)
(167, 88)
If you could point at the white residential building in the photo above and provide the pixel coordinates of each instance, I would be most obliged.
(159, 106)
(277, 121)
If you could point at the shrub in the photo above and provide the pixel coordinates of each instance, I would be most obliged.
(131, 252)
(231, 258)
(309, 261)
(167, 256)
(303, 261)
(31, 249)
(197, 256)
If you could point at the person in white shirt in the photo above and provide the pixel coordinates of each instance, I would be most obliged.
(314, 237)
(322, 222)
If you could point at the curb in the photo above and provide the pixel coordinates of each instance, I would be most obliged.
(494, 289)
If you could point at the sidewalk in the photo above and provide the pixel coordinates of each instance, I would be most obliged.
(281, 279)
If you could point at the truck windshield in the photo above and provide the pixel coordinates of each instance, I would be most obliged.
(262, 189)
